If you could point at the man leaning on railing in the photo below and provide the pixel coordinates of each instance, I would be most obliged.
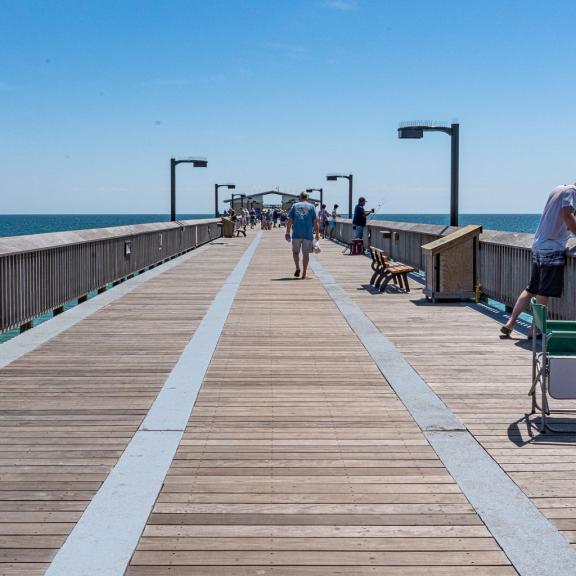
(548, 252)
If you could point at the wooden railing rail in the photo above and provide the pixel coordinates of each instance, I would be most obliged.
(40, 273)
(504, 259)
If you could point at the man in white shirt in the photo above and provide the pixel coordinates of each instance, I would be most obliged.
(548, 252)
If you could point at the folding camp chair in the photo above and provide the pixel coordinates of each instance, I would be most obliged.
(553, 366)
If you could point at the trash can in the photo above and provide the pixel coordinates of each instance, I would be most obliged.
(227, 228)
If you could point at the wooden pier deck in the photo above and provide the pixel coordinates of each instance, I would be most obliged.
(298, 458)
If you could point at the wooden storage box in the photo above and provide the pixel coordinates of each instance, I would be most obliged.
(450, 265)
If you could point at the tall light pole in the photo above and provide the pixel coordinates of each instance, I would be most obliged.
(321, 190)
(216, 187)
(415, 130)
(350, 178)
(197, 163)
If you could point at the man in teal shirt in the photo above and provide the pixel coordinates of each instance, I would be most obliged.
(303, 223)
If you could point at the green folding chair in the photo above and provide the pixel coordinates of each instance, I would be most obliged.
(553, 365)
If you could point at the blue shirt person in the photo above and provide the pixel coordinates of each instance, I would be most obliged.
(302, 215)
(359, 219)
(303, 224)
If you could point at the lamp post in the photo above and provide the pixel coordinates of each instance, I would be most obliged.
(321, 190)
(413, 130)
(216, 187)
(197, 163)
(349, 177)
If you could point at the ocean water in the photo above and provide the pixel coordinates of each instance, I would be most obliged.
(18, 224)
(507, 222)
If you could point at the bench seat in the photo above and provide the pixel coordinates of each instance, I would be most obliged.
(386, 270)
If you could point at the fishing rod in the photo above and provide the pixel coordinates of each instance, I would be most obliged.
(378, 208)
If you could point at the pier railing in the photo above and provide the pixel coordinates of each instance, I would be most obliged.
(504, 259)
(40, 273)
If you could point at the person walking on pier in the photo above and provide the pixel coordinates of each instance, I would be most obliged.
(548, 252)
(359, 219)
(333, 221)
(303, 223)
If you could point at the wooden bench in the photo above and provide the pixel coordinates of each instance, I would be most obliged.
(385, 271)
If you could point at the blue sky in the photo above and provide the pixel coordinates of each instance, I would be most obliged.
(96, 96)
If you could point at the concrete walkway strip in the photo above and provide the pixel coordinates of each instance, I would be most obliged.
(531, 542)
(423, 404)
(105, 537)
(31, 339)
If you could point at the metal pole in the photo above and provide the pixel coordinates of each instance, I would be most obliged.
(454, 173)
(350, 196)
(173, 189)
(215, 200)
(321, 197)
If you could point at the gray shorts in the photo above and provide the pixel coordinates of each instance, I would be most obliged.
(306, 245)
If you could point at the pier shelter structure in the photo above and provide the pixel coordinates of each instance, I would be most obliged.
(269, 199)
(208, 414)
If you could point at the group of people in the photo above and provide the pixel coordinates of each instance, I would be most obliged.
(270, 218)
(267, 218)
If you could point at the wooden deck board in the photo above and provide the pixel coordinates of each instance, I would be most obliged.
(69, 408)
(299, 459)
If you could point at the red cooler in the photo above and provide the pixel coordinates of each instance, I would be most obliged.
(357, 247)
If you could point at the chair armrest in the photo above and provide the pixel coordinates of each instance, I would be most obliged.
(561, 335)
(561, 325)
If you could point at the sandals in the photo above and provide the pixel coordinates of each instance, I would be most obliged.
(297, 274)
(505, 331)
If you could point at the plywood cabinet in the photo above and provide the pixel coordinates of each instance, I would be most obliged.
(450, 265)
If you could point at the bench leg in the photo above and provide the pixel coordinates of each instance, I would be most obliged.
(381, 275)
(406, 285)
(386, 282)
(374, 276)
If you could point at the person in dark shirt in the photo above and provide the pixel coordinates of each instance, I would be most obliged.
(360, 214)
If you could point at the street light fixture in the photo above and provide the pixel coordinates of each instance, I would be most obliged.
(197, 163)
(216, 187)
(349, 177)
(415, 130)
(321, 190)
